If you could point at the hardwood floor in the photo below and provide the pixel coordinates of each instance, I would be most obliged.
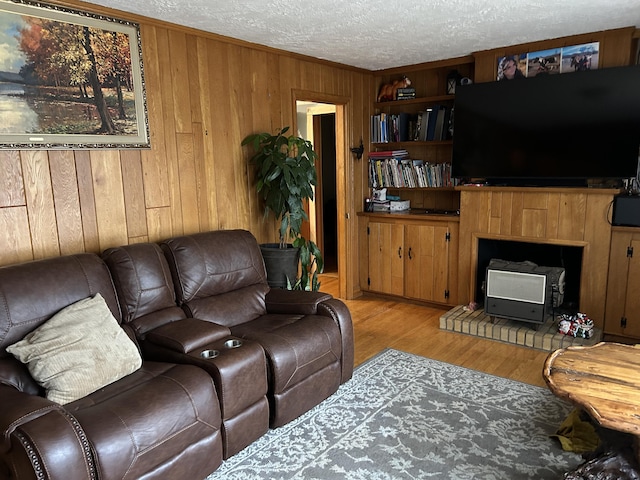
(384, 323)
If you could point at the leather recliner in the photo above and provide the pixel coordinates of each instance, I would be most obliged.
(158, 422)
(147, 298)
(307, 336)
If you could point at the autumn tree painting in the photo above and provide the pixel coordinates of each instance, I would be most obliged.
(67, 78)
(65, 55)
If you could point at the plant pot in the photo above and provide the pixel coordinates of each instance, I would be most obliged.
(281, 264)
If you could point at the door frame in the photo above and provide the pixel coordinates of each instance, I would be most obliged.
(344, 177)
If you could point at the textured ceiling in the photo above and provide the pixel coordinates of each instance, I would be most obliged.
(377, 34)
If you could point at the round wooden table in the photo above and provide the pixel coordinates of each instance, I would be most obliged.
(603, 380)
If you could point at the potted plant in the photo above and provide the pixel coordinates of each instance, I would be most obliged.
(285, 177)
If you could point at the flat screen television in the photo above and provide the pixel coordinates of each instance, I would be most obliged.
(563, 129)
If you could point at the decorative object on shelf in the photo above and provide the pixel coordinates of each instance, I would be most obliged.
(453, 79)
(405, 93)
(285, 177)
(388, 91)
(358, 151)
(89, 71)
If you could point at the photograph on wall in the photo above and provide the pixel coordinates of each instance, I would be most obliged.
(512, 67)
(552, 61)
(580, 57)
(544, 62)
(69, 79)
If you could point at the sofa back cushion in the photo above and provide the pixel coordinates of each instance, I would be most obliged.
(145, 288)
(32, 292)
(219, 276)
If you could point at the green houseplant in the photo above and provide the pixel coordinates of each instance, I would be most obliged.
(285, 177)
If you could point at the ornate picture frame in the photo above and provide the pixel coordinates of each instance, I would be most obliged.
(70, 79)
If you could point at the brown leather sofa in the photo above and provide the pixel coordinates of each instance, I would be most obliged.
(158, 422)
(224, 357)
(220, 280)
(148, 301)
(307, 336)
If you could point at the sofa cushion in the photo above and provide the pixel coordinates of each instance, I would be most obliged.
(297, 346)
(79, 350)
(212, 263)
(160, 422)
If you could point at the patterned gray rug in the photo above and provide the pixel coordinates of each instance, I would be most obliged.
(408, 417)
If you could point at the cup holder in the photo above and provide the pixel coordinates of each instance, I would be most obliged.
(233, 343)
(209, 353)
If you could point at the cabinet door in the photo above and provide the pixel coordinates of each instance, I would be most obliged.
(426, 262)
(632, 301)
(386, 250)
(622, 313)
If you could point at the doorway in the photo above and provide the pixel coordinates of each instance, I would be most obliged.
(337, 105)
(317, 123)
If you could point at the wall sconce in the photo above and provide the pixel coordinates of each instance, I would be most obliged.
(358, 151)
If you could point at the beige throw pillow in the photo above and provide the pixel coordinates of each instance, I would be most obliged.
(78, 351)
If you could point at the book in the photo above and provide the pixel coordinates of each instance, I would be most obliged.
(447, 130)
(403, 127)
(424, 124)
(418, 127)
(405, 93)
(439, 127)
(388, 153)
(433, 118)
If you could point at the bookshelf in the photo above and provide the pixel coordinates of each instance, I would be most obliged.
(433, 152)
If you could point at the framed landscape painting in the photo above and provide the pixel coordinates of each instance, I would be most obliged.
(69, 79)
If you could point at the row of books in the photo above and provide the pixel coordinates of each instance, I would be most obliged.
(400, 172)
(433, 124)
(387, 127)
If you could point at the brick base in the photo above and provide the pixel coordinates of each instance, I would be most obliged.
(478, 324)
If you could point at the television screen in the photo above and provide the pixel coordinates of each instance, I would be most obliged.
(549, 130)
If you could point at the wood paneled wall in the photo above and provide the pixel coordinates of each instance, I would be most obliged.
(205, 93)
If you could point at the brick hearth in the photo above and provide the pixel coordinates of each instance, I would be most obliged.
(546, 337)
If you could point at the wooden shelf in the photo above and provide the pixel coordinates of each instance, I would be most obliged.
(414, 101)
(412, 143)
(430, 81)
(445, 189)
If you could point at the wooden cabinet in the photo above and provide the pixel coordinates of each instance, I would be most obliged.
(412, 258)
(622, 314)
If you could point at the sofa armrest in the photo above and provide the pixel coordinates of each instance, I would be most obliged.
(186, 335)
(18, 408)
(300, 302)
(317, 303)
(35, 431)
(337, 310)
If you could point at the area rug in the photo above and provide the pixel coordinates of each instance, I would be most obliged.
(545, 337)
(404, 416)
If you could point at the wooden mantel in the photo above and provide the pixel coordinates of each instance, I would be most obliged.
(561, 216)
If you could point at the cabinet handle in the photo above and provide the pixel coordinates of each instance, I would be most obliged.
(399, 252)
(410, 257)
